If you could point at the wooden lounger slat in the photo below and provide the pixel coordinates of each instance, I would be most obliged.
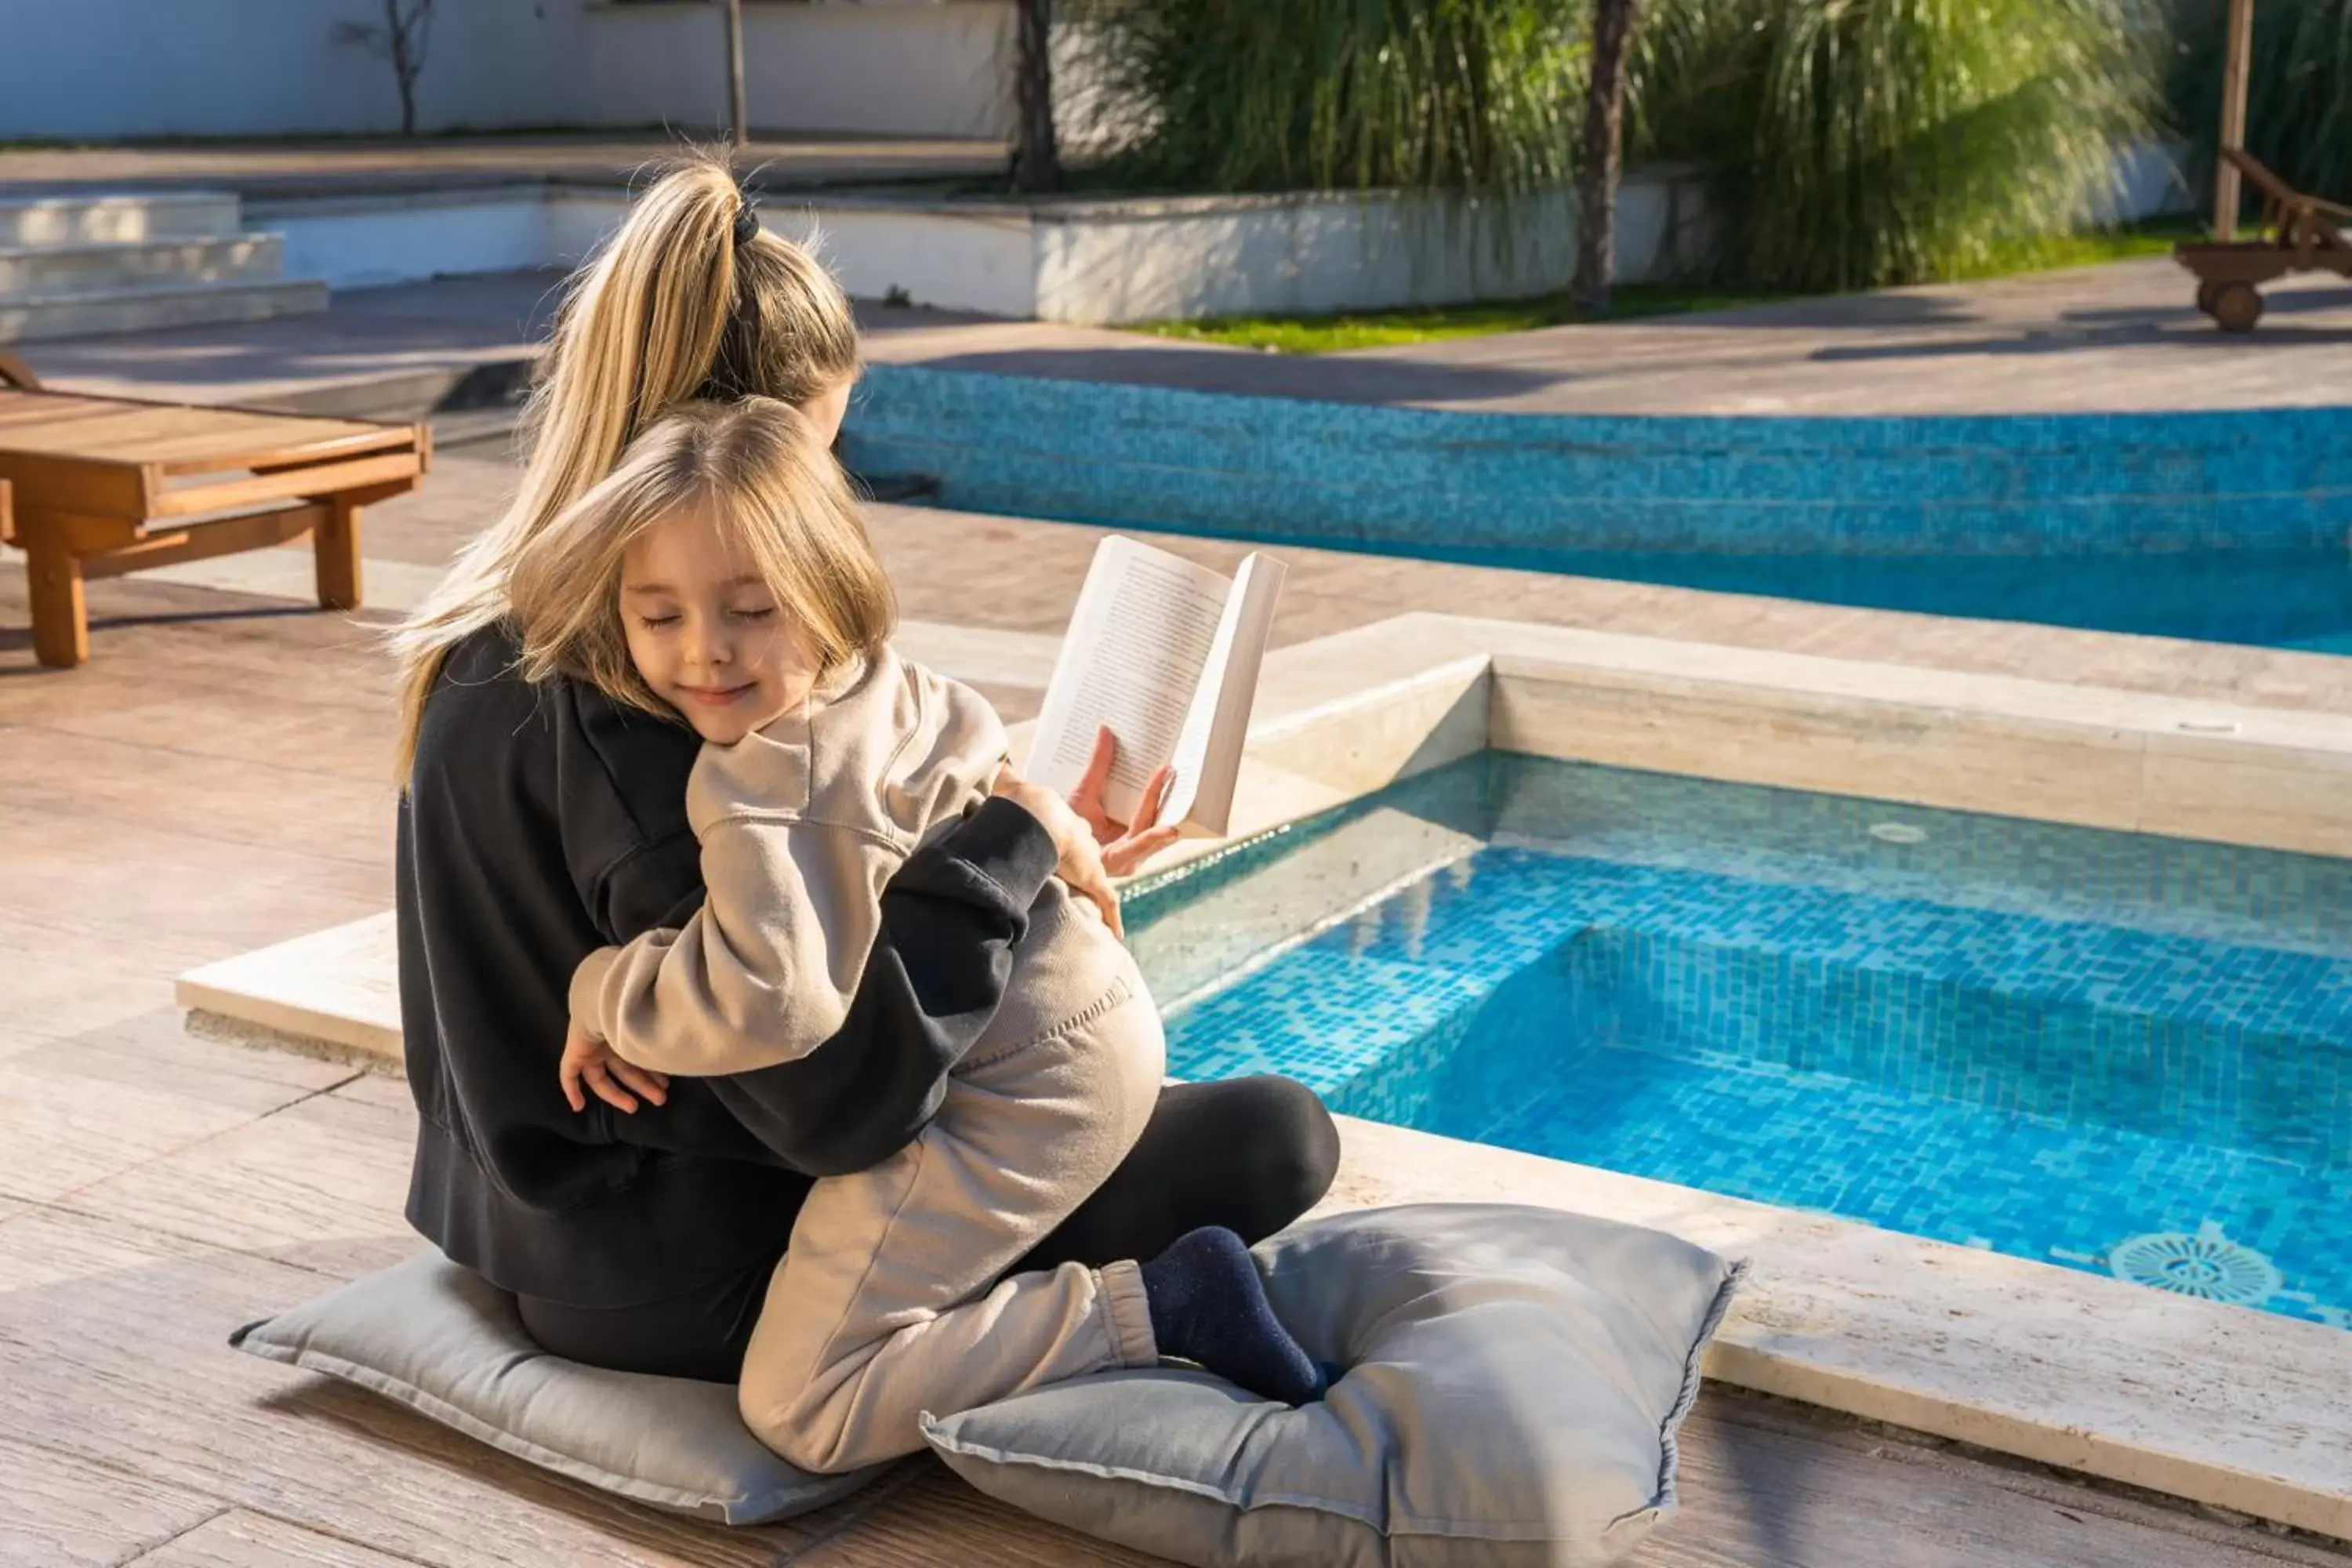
(174, 435)
(107, 437)
(29, 412)
(104, 486)
(68, 484)
(360, 473)
(216, 458)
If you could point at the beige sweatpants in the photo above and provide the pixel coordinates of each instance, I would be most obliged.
(888, 1301)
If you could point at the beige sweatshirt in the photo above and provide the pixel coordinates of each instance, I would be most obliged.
(802, 824)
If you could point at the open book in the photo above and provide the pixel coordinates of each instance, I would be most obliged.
(1166, 654)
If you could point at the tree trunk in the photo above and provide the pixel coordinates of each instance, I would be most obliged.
(1603, 150)
(404, 38)
(2234, 60)
(738, 131)
(404, 64)
(1036, 161)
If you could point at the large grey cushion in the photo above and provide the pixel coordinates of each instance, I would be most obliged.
(1515, 1378)
(442, 1340)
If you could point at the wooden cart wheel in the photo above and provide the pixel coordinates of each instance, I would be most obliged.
(2237, 307)
(2205, 294)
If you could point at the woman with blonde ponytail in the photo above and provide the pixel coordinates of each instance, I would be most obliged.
(675, 306)
(544, 817)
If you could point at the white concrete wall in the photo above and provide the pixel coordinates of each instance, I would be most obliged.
(362, 244)
(1315, 255)
(885, 69)
(106, 69)
(2149, 181)
(984, 260)
(1099, 262)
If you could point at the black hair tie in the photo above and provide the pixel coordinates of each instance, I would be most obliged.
(747, 219)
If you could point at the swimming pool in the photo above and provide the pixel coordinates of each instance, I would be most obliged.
(2226, 525)
(2299, 599)
(2116, 1053)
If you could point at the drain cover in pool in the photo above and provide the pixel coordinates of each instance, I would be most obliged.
(2207, 1265)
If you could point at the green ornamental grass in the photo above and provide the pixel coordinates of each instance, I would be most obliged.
(2299, 96)
(1861, 143)
(1430, 95)
(1849, 144)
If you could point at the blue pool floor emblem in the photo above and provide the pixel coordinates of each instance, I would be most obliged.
(2207, 1264)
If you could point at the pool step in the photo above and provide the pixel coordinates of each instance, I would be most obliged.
(1220, 935)
(92, 266)
(2256, 1083)
(123, 219)
(43, 269)
(155, 307)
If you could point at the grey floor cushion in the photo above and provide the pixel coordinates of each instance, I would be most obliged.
(440, 1339)
(1514, 1380)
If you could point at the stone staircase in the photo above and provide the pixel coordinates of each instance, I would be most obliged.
(82, 266)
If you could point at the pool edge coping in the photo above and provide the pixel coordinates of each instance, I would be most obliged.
(1832, 1316)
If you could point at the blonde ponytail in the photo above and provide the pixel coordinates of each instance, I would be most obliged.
(671, 308)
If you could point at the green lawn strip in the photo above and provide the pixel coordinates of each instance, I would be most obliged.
(1630, 301)
(1380, 329)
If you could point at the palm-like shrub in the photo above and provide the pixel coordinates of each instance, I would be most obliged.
(2299, 87)
(1858, 143)
(1270, 95)
(1850, 144)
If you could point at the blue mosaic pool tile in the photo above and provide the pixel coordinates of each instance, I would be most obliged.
(2055, 1192)
(2031, 484)
(2045, 1040)
(1321, 1016)
(2214, 892)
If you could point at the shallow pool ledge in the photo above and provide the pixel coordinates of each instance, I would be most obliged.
(2227, 1405)
(2048, 751)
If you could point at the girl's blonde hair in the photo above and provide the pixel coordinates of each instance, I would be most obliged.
(754, 469)
(672, 307)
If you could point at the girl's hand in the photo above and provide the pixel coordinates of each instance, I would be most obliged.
(1079, 860)
(1125, 845)
(589, 1059)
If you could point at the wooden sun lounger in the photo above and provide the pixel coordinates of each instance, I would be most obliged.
(108, 485)
(2306, 234)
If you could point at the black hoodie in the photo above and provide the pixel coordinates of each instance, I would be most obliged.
(543, 822)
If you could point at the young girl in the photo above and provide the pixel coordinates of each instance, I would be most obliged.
(722, 571)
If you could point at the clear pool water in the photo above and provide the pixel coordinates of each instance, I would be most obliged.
(2116, 1053)
(2226, 524)
(2299, 599)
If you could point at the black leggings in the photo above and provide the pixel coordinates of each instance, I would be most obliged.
(1251, 1154)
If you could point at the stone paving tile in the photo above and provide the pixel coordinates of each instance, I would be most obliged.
(2123, 337)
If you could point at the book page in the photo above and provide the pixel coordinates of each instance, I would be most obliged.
(1144, 628)
(1209, 755)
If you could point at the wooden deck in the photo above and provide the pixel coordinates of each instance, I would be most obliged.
(217, 779)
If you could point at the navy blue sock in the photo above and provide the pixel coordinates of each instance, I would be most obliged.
(1208, 1306)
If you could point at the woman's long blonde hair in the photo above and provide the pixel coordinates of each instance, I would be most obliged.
(672, 307)
(755, 470)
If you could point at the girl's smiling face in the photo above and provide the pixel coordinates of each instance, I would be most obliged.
(705, 633)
